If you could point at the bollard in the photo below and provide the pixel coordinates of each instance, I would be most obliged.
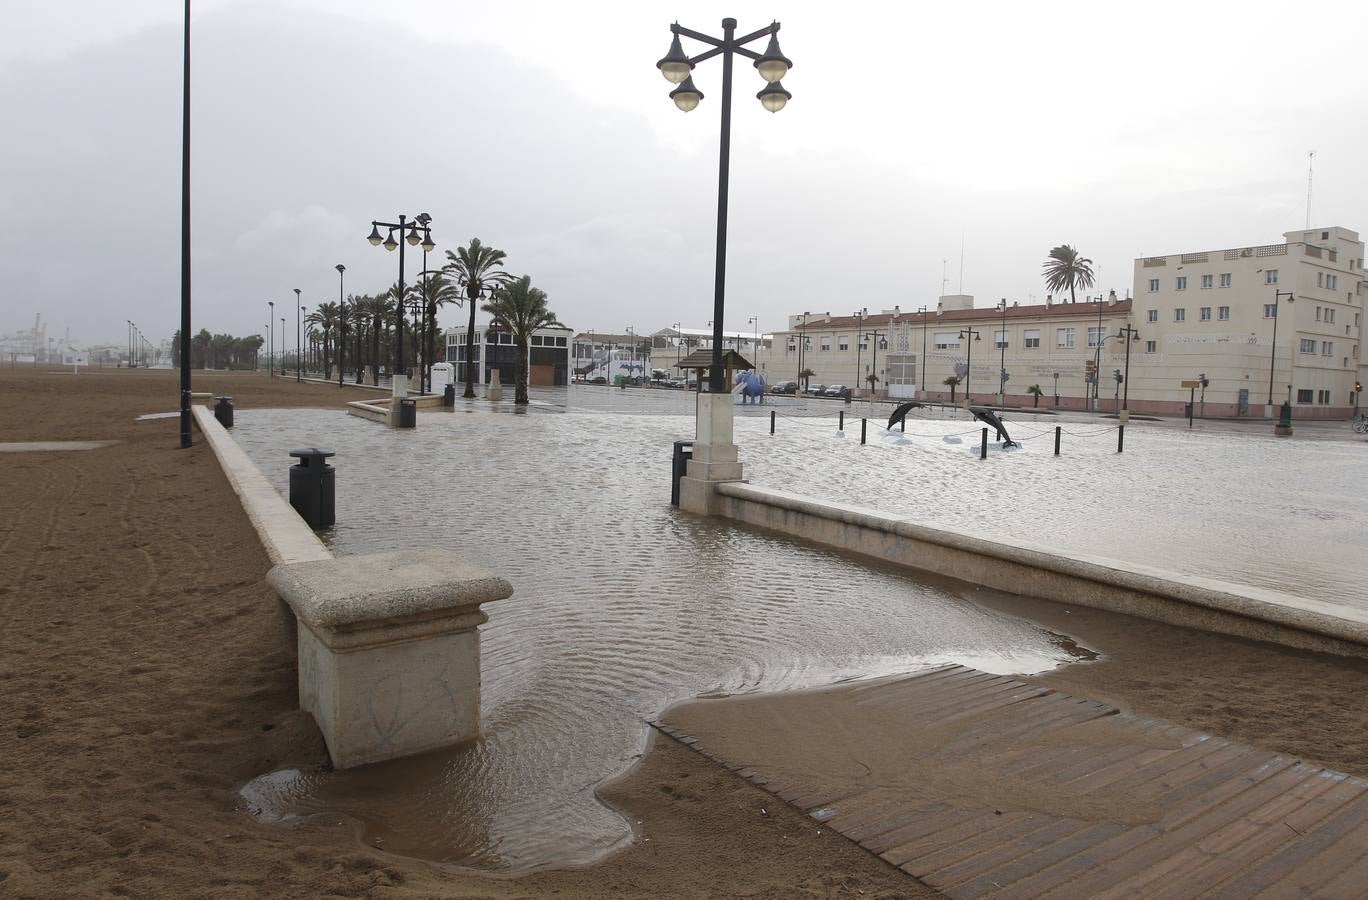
(449, 396)
(1058, 429)
(1120, 437)
(679, 466)
(902, 425)
(983, 445)
(312, 487)
(223, 411)
(840, 422)
(771, 421)
(863, 424)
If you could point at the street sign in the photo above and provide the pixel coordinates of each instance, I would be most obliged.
(1192, 383)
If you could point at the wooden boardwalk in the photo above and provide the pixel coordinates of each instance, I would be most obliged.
(1232, 821)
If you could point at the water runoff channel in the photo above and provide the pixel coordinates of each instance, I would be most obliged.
(622, 605)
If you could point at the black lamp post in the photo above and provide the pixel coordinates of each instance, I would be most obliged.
(408, 233)
(299, 349)
(1273, 351)
(1097, 357)
(972, 334)
(341, 324)
(677, 69)
(1129, 334)
(802, 345)
(878, 339)
(1002, 357)
(270, 347)
(185, 242)
(923, 310)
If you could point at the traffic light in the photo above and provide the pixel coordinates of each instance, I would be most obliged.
(1204, 380)
(1116, 373)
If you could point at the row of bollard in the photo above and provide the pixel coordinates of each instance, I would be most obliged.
(983, 443)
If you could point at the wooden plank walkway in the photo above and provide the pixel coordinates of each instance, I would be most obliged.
(1233, 821)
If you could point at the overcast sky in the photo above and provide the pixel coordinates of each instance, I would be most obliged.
(545, 130)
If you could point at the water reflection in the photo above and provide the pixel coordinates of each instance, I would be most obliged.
(622, 606)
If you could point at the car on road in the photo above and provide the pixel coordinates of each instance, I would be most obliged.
(837, 390)
(817, 391)
(784, 387)
(598, 379)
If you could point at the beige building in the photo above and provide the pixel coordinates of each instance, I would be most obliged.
(1215, 312)
(912, 353)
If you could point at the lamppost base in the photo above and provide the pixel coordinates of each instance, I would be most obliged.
(1123, 416)
(1282, 430)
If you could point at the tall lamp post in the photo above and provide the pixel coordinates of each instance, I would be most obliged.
(409, 232)
(1002, 356)
(802, 345)
(1097, 357)
(922, 381)
(299, 349)
(1129, 334)
(1273, 351)
(270, 348)
(878, 340)
(677, 69)
(341, 323)
(969, 335)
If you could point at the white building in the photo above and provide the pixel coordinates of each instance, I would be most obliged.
(1215, 312)
(548, 355)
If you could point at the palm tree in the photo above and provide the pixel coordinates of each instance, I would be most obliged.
(377, 309)
(324, 316)
(1035, 391)
(1066, 269)
(806, 375)
(522, 309)
(474, 269)
(952, 382)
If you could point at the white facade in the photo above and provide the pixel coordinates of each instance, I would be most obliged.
(548, 356)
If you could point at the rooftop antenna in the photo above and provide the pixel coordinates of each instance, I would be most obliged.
(1310, 165)
(944, 280)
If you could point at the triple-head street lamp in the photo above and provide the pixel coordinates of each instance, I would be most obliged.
(969, 335)
(677, 67)
(299, 346)
(1130, 334)
(413, 233)
(341, 324)
(1273, 351)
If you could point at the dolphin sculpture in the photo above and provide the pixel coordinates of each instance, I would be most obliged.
(988, 417)
(901, 412)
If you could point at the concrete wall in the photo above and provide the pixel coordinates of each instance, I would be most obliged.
(1033, 573)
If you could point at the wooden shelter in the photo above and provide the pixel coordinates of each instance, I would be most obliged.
(702, 360)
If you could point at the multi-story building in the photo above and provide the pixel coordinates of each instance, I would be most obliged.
(548, 355)
(911, 354)
(1215, 312)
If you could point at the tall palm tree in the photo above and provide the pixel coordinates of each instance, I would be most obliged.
(324, 317)
(952, 382)
(522, 309)
(1066, 269)
(377, 309)
(475, 269)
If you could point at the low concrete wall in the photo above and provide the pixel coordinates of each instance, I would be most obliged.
(1251, 613)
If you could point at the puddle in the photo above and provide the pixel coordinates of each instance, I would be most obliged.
(49, 446)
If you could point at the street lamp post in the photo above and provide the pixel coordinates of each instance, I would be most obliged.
(922, 381)
(677, 69)
(1002, 356)
(802, 345)
(408, 233)
(1097, 358)
(1129, 334)
(270, 348)
(969, 335)
(678, 341)
(878, 340)
(1273, 351)
(341, 323)
(299, 358)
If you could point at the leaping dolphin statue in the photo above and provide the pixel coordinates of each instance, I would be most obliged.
(988, 417)
(901, 412)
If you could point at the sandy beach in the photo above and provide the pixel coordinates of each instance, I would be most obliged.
(149, 673)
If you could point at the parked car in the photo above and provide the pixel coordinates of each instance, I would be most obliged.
(598, 379)
(817, 391)
(784, 387)
(837, 390)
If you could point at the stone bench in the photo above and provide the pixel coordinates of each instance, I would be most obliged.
(389, 651)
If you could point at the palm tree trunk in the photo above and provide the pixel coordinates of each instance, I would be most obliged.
(360, 367)
(520, 380)
(470, 347)
(375, 352)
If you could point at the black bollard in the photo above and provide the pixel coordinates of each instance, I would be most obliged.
(771, 421)
(902, 426)
(1058, 429)
(863, 424)
(983, 445)
(312, 487)
(223, 411)
(840, 422)
(449, 396)
(1120, 437)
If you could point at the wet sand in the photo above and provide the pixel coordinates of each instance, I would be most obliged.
(149, 672)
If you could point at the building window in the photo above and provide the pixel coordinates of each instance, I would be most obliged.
(1032, 339)
(1323, 396)
(999, 340)
(1318, 313)
(825, 343)
(561, 342)
(1332, 282)
(1064, 338)
(1204, 313)
(1094, 336)
(843, 343)
(1154, 286)
(1180, 283)
(1180, 314)
(1308, 345)
(1223, 312)
(947, 340)
(1327, 348)
(1206, 281)
(1330, 315)
(1270, 276)
(1225, 279)
(1150, 346)
(1152, 315)
(535, 340)
(1304, 396)
(1270, 310)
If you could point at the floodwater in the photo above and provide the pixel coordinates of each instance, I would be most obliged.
(622, 607)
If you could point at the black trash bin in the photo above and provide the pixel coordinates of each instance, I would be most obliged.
(223, 411)
(449, 396)
(408, 413)
(1187, 410)
(683, 452)
(312, 487)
